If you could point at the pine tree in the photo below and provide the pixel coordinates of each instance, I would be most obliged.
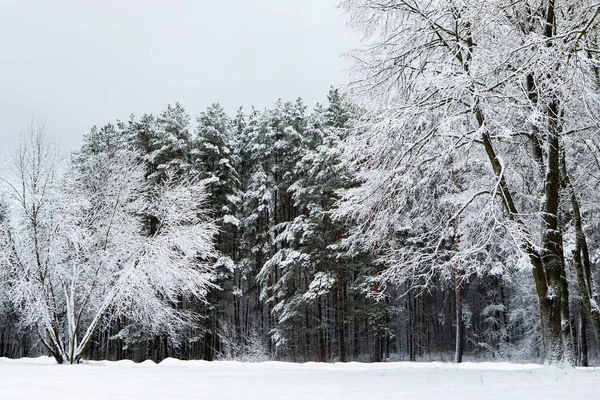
(215, 160)
(171, 144)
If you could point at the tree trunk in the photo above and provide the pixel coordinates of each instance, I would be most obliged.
(552, 259)
(377, 350)
(583, 352)
(410, 339)
(581, 260)
(340, 304)
(207, 348)
(548, 294)
(548, 263)
(458, 353)
(321, 351)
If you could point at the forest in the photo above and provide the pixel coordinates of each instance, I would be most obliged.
(442, 206)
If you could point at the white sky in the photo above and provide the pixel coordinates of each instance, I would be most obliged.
(77, 63)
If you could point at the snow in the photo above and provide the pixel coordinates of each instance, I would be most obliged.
(40, 378)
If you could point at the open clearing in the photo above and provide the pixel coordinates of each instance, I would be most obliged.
(40, 378)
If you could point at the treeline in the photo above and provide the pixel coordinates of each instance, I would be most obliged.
(289, 286)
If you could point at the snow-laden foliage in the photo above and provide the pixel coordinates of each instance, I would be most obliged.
(77, 254)
(474, 110)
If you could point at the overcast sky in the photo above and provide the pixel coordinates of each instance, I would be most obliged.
(78, 63)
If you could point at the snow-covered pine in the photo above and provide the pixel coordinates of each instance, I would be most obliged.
(171, 147)
(215, 159)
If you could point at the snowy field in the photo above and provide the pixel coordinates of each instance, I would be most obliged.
(174, 379)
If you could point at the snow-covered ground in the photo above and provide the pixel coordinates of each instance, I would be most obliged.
(173, 379)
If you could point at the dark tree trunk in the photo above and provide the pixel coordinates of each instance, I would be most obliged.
(583, 352)
(548, 263)
(458, 353)
(547, 269)
(410, 339)
(340, 312)
(208, 352)
(377, 356)
(581, 260)
(321, 352)
(555, 305)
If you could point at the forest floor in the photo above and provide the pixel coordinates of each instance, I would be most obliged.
(40, 378)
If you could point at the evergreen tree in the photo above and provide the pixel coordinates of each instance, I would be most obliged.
(172, 142)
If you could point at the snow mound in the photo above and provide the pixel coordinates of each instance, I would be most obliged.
(28, 360)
